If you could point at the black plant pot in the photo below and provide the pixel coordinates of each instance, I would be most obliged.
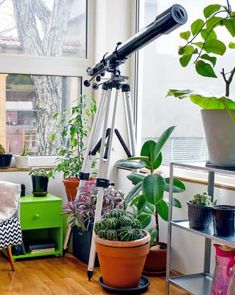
(223, 220)
(5, 160)
(82, 244)
(199, 216)
(40, 184)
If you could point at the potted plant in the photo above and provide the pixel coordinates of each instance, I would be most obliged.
(200, 211)
(203, 44)
(73, 127)
(82, 212)
(147, 198)
(223, 220)
(22, 160)
(39, 178)
(122, 247)
(5, 158)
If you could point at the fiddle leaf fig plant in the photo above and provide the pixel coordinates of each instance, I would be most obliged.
(203, 46)
(147, 196)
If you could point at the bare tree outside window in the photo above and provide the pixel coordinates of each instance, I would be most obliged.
(44, 28)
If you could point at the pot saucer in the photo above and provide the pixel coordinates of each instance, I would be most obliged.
(142, 286)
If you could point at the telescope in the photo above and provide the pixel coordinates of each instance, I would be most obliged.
(164, 23)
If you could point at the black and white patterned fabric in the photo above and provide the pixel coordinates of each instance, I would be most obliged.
(10, 233)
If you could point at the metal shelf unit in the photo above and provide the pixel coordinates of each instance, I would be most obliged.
(196, 284)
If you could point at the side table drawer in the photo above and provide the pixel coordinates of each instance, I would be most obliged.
(40, 215)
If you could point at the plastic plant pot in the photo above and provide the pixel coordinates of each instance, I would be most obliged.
(200, 216)
(223, 220)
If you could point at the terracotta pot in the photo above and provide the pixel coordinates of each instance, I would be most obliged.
(122, 263)
(155, 263)
(71, 185)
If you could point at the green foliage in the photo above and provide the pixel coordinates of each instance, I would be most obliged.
(147, 195)
(38, 172)
(2, 150)
(25, 151)
(74, 127)
(119, 225)
(203, 199)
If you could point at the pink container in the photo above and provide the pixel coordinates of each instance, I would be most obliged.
(223, 269)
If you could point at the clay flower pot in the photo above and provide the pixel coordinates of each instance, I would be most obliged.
(71, 185)
(155, 263)
(122, 263)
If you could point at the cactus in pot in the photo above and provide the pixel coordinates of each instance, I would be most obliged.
(5, 158)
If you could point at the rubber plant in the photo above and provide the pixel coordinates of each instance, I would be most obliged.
(203, 45)
(147, 195)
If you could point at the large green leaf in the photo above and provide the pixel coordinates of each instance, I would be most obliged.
(185, 59)
(133, 192)
(144, 219)
(213, 22)
(176, 203)
(162, 140)
(185, 35)
(211, 9)
(179, 93)
(178, 186)
(136, 177)
(162, 210)
(211, 59)
(230, 25)
(196, 26)
(129, 164)
(212, 103)
(141, 203)
(208, 34)
(153, 188)
(158, 161)
(214, 46)
(205, 69)
(148, 152)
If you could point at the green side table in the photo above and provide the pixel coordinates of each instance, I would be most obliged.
(42, 223)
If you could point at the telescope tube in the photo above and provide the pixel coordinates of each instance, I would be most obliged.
(164, 23)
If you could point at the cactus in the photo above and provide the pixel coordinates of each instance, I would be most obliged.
(203, 199)
(2, 150)
(119, 225)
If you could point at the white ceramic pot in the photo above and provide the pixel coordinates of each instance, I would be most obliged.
(22, 161)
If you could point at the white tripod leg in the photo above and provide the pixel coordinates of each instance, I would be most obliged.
(102, 176)
(93, 137)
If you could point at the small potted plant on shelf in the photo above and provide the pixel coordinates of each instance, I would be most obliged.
(22, 160)
(5, 158)
(223, 220)
(82, 212)
(204, 44)
(200, 211)
(39, 178)
(73, 127)
(122, 247)
(147, 198)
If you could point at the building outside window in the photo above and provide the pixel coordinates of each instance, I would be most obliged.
(43, 57)
(159, 71)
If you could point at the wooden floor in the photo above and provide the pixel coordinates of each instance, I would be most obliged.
(59, 276)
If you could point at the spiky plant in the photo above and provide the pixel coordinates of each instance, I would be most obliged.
(2, 150)
(25, 151)
(203, 199)
(119, 225)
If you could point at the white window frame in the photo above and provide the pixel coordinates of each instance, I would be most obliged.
(54, 66)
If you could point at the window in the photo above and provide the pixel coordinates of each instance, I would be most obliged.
(44, 53)
(159, 70)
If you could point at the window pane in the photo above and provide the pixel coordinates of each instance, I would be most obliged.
(43, 27)
(30, 102)
(161, 71)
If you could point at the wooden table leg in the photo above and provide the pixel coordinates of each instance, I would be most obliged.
(10, 257)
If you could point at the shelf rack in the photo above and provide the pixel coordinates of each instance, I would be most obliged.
(200, 283)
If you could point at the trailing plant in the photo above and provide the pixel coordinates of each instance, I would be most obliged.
(25, 151)
(203, 199)
(147, 196)
(2, 150)
(39, 172)
(202, 48)
(119, 225)
(74, 127)
(82, 211)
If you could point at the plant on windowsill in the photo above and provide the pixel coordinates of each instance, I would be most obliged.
(40, 179)
(122, 247)
(81, 213)
(73, 125)
(203, 46)
(5, 158)
(147, 198)
(22, 160)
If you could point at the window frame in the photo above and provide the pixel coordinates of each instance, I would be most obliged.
(54, 66)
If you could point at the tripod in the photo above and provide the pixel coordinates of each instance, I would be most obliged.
(101, 122)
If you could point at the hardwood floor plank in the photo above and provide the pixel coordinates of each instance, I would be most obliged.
(60, 276)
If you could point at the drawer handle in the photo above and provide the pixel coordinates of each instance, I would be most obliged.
(36, 216)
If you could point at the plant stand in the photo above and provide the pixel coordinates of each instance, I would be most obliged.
(199, 283)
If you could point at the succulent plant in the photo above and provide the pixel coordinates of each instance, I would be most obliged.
(25, 151)
(119, 225)
(38, 172)
(2, 150)
(82, 211)
(203, 199)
